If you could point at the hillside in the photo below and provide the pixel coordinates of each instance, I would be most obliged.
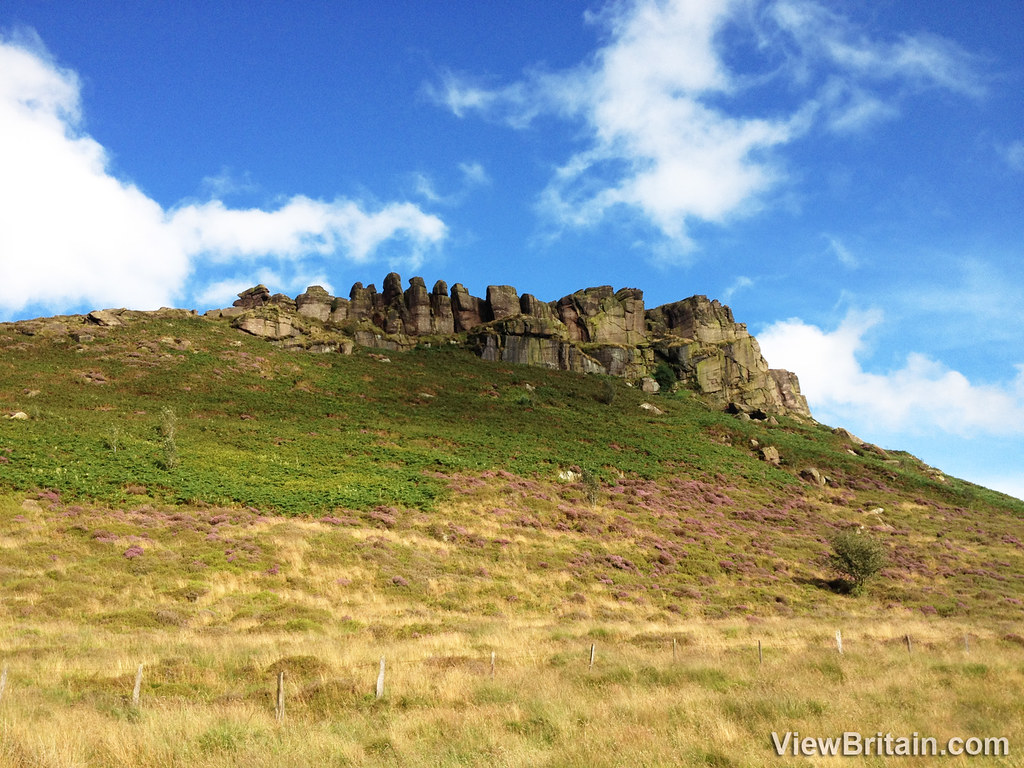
(180, 481)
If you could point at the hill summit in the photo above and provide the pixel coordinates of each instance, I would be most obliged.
(594, 330)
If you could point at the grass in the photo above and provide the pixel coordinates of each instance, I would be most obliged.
(220, 510)
(208, 698)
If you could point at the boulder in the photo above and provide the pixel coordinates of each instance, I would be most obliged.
(315, 303)
(770, 454)
(253, 297)
(813, 476)
(649, 385)
(106, 318)
(274, 327)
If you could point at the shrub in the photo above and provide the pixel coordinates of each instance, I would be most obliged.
(665, 375)
(856, 556)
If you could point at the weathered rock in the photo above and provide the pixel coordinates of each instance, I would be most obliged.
(105, 317)
(649, 385)
(503, 301)
(442, 319)
(282, 300)
(698, 319)
(813, 476)
(420, 309)
(788, 387)
(596, 330)
(392, 289)
(315, 303)
(340, 311)
(226, 312)
(271, 326)
(845, 435)
(770, 454)
(253, 297)
(362, 302)
(652, 408)
(468, 311)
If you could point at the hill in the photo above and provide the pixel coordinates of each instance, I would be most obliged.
(178, 491)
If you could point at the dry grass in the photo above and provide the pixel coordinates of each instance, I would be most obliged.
(207, 697)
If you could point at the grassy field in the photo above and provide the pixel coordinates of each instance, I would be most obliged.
(188, 498)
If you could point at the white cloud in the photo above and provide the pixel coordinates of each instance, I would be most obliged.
(300, 227)
(664, 133)
(738, 284)
(71, 233)
(841, 252)
(921, 396)
(1014, 154)
(473, 175)
(922, 60)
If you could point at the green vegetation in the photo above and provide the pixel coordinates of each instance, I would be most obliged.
(665, 375)
(856, 556)
(220, 509)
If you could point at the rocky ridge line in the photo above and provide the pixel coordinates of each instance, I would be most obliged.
(594, 330)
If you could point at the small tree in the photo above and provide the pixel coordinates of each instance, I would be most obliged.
(665, 375)
(857, 557)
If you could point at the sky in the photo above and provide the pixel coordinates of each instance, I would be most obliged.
(847, 175)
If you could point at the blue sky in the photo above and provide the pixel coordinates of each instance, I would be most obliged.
(848, 176)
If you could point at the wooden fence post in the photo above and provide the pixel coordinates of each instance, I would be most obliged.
(906, 639)
(279, 711)
(673, 649)
(760, 655)
(3, 682)
(839, 641)
(967, 644)
(592, 647)
(380, 679)
(138, 687)
(492, 664)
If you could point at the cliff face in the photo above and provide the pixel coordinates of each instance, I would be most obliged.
(596, 330)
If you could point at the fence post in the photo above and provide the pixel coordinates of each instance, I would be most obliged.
(380, 679)
(907, 639)
(280, 697)
(3, 682)
(673, 649)
(592, 647)
(138, 687)
(967, 644)
(492, 664)
(760, 655)
(839, 641)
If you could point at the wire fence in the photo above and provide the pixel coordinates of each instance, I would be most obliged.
(595, 654)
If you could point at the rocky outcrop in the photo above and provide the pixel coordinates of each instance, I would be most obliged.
(718, 357)
(594, 330)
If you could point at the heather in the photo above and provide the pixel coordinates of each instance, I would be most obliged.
(219, 510)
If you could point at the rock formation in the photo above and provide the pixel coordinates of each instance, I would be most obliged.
(595, 330)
